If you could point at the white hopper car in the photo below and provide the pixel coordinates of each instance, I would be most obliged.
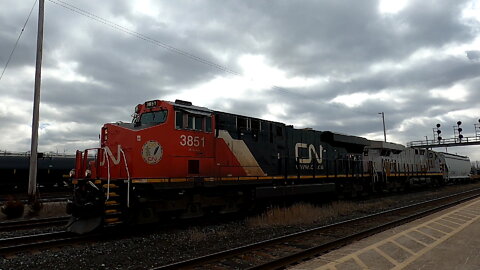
(457, 168)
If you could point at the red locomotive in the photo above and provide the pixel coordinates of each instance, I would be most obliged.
(179, 160)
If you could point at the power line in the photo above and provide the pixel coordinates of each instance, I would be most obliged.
(16, 43)
(141, 36)
(155, 42)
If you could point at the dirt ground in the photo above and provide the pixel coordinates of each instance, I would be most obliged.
(49, 209)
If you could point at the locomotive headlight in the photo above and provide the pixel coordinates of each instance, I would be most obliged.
(72, 173)
(88, 173)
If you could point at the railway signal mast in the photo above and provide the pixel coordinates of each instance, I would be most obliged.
(32, 183)
(458, 138)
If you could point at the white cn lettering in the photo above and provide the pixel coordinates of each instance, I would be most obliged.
(311, 149)
(114, 160)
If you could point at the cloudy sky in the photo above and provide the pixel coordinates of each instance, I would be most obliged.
(330, 65)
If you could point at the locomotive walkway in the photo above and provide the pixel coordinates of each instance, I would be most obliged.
(449, 239)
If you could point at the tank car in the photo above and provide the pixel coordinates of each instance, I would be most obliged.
(53, 171)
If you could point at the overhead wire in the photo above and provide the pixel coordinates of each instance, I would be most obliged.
(18, 39)
(141, 36)
(153, 41)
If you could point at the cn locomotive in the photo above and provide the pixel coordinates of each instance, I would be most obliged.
(179, 160)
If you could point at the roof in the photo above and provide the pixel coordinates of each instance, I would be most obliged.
(386, 145)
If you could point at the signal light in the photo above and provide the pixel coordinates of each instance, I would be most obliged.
(439, 138)
(438, 125)
(439, 131)
(459, 129)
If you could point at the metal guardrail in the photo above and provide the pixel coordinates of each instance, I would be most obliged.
(445, 142)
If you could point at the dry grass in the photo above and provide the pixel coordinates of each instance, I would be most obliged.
(53, 209)
(198, 235)
(304, 213)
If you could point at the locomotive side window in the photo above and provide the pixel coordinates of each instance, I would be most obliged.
(157, 117)
(178, 119)
(198, 123)
(195, 122)
(185, 120)
(191, 122)
(208, 124)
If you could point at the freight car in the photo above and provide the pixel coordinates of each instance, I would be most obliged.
(53, 171)
(179, 160)
(457, 168)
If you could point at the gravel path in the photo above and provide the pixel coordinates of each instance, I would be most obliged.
(164, 246)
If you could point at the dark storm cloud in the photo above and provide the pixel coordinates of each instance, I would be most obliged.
(344, 36)
(421, 77)
(473, 55)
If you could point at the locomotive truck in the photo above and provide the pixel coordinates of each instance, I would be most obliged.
(177, 160)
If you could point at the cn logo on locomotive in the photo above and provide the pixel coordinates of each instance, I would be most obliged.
(152, 152)
(312, 153)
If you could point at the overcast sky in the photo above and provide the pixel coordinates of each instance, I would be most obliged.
(329, 65)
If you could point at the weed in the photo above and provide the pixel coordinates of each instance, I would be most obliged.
(305, 213)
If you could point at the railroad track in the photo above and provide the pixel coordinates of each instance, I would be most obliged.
(287, 250)
(44, 196)
(32, 223)
(43, 200)
(31, 242)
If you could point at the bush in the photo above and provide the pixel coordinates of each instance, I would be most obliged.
(13, 208)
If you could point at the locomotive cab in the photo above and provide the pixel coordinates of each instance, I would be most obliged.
(164, 141)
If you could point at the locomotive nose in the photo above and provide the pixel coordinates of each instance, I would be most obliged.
(86, 208)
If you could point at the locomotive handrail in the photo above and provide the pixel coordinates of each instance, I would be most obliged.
(108, 174)
(128, 176)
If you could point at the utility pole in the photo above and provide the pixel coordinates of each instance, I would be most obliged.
(32, 181)
(384, 132)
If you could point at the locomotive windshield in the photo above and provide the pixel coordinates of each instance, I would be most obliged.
(157, 117)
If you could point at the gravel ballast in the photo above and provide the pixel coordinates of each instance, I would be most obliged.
(163, 246)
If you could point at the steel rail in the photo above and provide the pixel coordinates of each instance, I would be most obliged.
(307, 252)
(33, 223)
(27, 242)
